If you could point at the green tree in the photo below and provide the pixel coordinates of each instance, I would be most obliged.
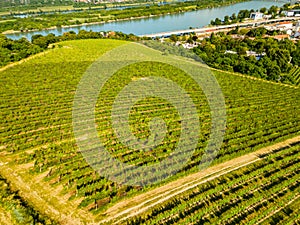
(190, 40)
(226, 20)
(218, 21)
(233, 17)
(263, 10)
(296, 57)
(194, 38)
(273, 70)
(173, 38)
(286, 6)
(273, 10)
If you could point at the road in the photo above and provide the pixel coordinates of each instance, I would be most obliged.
(218, 28)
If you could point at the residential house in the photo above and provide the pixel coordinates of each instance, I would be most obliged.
(284, 25)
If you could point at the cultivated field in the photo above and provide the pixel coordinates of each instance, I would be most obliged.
(266, 191)
(295, 73)
(39, 155)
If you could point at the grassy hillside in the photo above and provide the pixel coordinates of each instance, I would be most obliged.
(37, 140)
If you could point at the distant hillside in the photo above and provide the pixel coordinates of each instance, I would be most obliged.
(8, 3)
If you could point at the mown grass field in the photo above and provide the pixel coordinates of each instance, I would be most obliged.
(38, 144)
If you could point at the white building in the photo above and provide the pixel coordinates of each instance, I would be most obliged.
(266, 17)
(190, 46)
(289, 32)
(230, 52)
(288, 13)
(256, 16)
(296, 12)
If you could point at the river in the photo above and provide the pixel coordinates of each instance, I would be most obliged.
(157, 24)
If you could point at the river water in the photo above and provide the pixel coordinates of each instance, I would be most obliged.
(181, 21)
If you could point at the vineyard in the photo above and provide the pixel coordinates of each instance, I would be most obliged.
(38, 144)
(295, 73)
(13, 210)
(263, 192)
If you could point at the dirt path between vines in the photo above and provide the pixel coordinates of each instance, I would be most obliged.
(141, 203)
(45, 198)
(5, 217)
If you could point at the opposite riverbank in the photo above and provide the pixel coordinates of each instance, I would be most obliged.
(49, 22)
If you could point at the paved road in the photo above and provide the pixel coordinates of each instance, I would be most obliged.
(216, 28)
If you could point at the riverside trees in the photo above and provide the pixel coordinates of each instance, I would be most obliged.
(251, 54)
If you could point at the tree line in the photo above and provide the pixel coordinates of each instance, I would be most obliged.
(15, 50)
(12, 51)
